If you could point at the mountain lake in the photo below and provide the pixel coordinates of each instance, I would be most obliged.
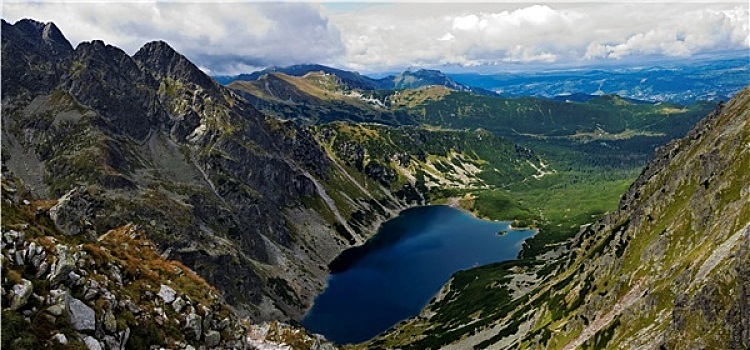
(396, 272)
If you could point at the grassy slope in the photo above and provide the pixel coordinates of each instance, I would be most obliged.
(557, 312)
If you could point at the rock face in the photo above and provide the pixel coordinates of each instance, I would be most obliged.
(72, 212)
(152, 140)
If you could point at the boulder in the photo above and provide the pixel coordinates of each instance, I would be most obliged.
(223, 324)
(55, 310)
(43, 267)
(73, 277)
(117, 341)
(124, 336)
(57, 299)
(60, 338)
(178, 304)
(20, 254)
(167, 294)
(38, 259)
(11, 236)
(82, 317)
(193, 326)
(112, 342)
(64, 265)
(90, 294)
(206, 317)
(21, 294)
(213, 338)
(31, 251)
(72, 211)
(92, 343)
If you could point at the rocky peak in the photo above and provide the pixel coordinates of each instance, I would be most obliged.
(45, 36)
(31, 53)
(163, 60)
(96, 55)
(106, 78)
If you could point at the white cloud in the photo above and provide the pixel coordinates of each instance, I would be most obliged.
(393, 36)
(447, 37)
(221, 37)
(468, 23)
(685, 34)
(232, 37)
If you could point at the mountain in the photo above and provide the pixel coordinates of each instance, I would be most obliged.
(581, 97)
(605, 130)
(151, 140)
(316, 98)
(683, 82)
(150, 146)
(32, 40)
(354, 81)
(668, 269)
(350, 80)
(427, 77)
(125, 177)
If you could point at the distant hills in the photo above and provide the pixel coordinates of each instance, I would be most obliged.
(318, 97)
(355, 81)
(682, 83)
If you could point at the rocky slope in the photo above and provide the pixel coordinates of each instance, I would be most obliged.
(667, 270)
(114, 292)
(253, 204)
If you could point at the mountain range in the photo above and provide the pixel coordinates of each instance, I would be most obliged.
(145, 204)
(353, 80)
(699, 79)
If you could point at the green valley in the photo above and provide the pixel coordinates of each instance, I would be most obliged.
(145, 205)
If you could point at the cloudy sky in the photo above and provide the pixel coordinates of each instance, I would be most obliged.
(231, 37)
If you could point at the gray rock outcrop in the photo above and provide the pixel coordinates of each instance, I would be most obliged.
(82, 317)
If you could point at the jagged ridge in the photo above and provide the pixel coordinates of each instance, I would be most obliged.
(152, 140)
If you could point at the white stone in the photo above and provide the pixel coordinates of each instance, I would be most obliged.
(167, 294)
(60, 338)
(92, 343)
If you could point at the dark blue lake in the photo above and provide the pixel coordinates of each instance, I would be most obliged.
(394, 274)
